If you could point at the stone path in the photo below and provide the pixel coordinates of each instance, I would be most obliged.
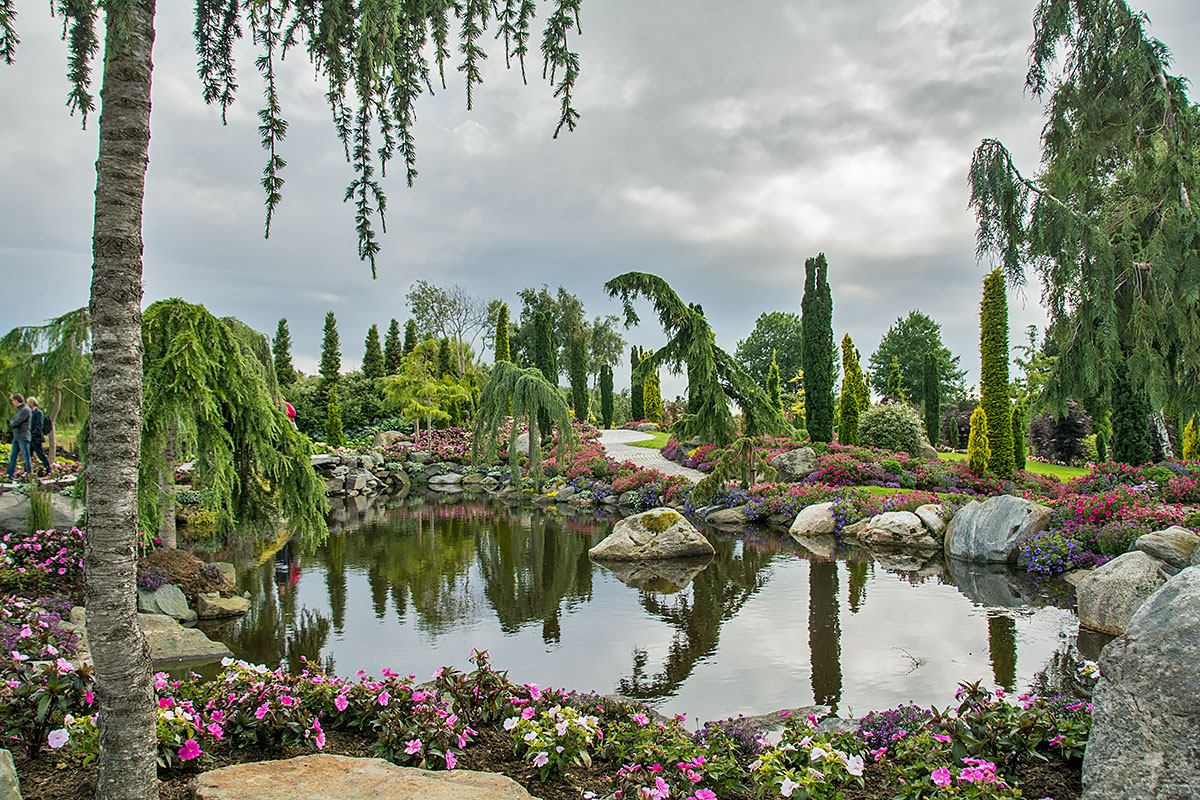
(616, 444)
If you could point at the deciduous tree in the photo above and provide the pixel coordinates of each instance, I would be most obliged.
(606, 396)
(933, 407)
(777, 335)
(908, 340)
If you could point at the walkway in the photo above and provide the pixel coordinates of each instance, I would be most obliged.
(616, 444)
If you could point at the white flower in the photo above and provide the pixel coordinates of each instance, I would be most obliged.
(511, 723)
(854, 765)
(57, 738)
(818, 753)
(788, 787)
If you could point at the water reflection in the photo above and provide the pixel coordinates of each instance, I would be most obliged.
(423, 584)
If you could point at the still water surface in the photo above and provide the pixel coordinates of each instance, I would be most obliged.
(764, 626)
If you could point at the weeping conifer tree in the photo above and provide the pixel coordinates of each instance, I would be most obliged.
(578, 372)
(817, 313)
(532, 396)
(410, 336)
(606, 395)
(372, 363)
(713, 374)
(393, 349)
(993, 373)
(849, 407)
(637, 405)
(210, 391)
(933, 410)
(285, 373)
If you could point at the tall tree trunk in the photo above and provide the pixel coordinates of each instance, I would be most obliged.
(120, 652)
(52, 442)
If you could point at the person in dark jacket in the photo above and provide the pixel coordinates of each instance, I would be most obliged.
(19, 425)
(37, 435)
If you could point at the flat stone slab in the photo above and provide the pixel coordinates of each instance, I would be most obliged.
(170, 642)
(329, 777)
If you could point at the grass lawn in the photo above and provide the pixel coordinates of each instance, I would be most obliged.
(1060, 472)
(656, 440)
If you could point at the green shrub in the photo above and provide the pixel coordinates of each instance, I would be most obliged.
(979, 451)
(892, 426)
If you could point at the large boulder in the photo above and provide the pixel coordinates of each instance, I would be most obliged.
(211, 605)
(931, 515)
(657, 533)
(926, 450)
(814, 520)
(1146, 705)
(10, 787)
(1175, 546)
(728, 516)
(648, 427)
(898, 529)
(384, 438)
(167, 599)
(14, 511)
(330, 777)
(1107, 599)
(991, 532)
(794, 465)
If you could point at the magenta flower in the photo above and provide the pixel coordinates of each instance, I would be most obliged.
(215, 730)
(340, 702)
(262, 710)
(383, 698)
(412, 746)
(451, 760)
(706, 794)
(941, 776)
(189, 750)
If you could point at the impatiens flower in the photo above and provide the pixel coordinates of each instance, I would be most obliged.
(511, 723)
(451, 759)
(641, 719)
(189, 750)
(941, 776)
(706, 794)
(320, 737)
(855, 765)
(165, 702)
(541, 759)
(19, 656)
(89, 698)
(57, 738)
(215, 730)
(941, 737)
(527, 712)
(412, 746)
(788, 787)
(383, 698)
(262, 710)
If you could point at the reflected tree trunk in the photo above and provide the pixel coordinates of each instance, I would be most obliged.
(824, 633)
(1002, 645)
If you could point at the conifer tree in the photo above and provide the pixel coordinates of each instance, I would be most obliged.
(410, 336)
(606, 395)
(652, 403)
(933, 411)
(817, 314)
(1191, 441)
(285, 373)
(1019, 422)
(895, 386)
(849, 407)
(978, 447)
(545, 358)
(578, 374)
(331, 359)
(774, 392)
(372, 363)
(993, 373)
(393, 349)
(1130, 422)
(502, 347)
(333, 420)
(637, 398)
(445, 358)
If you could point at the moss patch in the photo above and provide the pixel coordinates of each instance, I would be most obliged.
(657, 523)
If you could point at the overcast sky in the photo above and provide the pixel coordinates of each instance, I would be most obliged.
(720, 145)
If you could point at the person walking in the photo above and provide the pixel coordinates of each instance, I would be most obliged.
(37, 432)
(19, 425)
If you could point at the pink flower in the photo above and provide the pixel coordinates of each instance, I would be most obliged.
(641, 719)
(189, 750)
(451, 760)
(262, 710)
(89, 698)
(383, 698)
(340, 702)
(706, 794)
(19, 656)
(412, 746)
(941, 776)
(215, 730)
(165, 702)
(57, 738)
(541, 759)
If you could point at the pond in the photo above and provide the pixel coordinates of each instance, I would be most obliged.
(765, 625)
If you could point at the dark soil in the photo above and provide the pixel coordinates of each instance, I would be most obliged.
(183, 570)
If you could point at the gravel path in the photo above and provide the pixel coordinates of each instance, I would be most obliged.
(616, 444)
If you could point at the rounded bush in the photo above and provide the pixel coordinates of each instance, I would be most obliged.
(892, 426)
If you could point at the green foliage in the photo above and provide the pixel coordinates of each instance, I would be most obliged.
(637, 398)
(742, 461)
(206, 389)
(578, 375)
(419, 394)
(545, 355)
(1109, 222)
(44, 360)
(774, 394)
(372, 363)
(1191, 441)
(410, 336)
(993, 369)
(1130, 421)
(979, 451)
(848, 409)
(333, 420)
(652, 403)
(892, 426)
(895, 384)
(331, 358)
(285, 373)
(933, 408)
(393, 350)
(565, 311)
(606, 396)
(816, 308)
(445, 358)
(502, 352)
(1019, 422)
(714, 377)
(908, 340)
(778, 336)
(40, 510)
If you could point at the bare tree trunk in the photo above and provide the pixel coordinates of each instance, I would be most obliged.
(122, 658)
(166, 492)
(54, 424)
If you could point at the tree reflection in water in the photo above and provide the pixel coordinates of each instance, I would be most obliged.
(1002, 645)
(824, 633)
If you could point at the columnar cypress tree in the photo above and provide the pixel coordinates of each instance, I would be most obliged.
(817, 313)
(1130, 421)
(933, 411)
(637, 404)
(978, 448)
(895, 385)
(1191, 440)
(333, 420)
(393, 350)
(606, 395)
(445, 359)
(652, 403)
(849, 408)
(774, 393)
(993, 382)
(1018, 434)
(331, 359)
(410, 336)
(372, 363)
(285, 373)
(544, 359)
(502, 349)
(578, 374)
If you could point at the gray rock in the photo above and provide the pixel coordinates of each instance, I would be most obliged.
(473, 479)
(355, 482)
(228, 571)
(611, 500)
(728, 516)
(445, 478)
(329, 777)
(1107, 599)
(990, 585)
(821, 545)
(931, 515)
(1175, 545)
(564, 494)
(663, 575)
(852, 530)
(626, 499)
(170, 642)
(522, 444)
(10, 787)
(897, 529)
(648, 427)
(334, 485)
(1196, 557)
(385, 438)
(781, 520)
(166, 599)
(992, 531)
(329, 460)
(14, 511)
(926, 450)
(901, 560)
(794, 465)
(1146, 705)
(420, 456)
(489, 483)
(814, 520)
(211, 605)
(657, 533)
